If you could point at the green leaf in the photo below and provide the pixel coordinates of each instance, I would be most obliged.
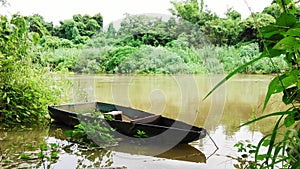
(273, 137)
(54, 155)
(44, 147)
(69, 132)
(4, 95)
(24, 156)
(289, 120)
(289, 95)
(40, 155)
(289, 44)
(286, 20)
(293, 32)
(271, 53)
(35, 37)
(279, 83)
(268, 115)
(262, 157)
(271, 30)
(266, 143)
(53, 145)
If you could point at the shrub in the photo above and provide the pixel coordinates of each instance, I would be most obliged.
(100, 40)
(210, 59)
(53, 42)
(233, 57)
(61, 59)
(26, 91)
(115, 57)
(91, 60)
(149, 59)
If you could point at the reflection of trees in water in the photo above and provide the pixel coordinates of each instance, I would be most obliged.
(15, 144)
(89, 157)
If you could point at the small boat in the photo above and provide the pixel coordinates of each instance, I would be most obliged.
(128, 122)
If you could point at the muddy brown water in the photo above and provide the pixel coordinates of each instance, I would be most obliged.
(176, 96)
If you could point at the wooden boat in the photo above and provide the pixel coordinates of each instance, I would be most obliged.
(128, 122)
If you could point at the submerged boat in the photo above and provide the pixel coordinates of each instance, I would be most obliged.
(128, 122)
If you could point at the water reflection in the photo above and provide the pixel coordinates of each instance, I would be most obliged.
(24, 149)
(182, 152)
(17, 144)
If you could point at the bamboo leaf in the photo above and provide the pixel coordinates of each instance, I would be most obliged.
(262, 157)
(280, 83)
(268, 115)
(266, 143)
(273, 137)
(289, 120)
(257, 156)
(233, 73)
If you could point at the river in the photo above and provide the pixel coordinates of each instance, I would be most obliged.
(176, 96)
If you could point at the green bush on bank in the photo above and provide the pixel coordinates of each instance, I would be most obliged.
(150, 59)
(232, 57)
(26, 90)
(60, 59)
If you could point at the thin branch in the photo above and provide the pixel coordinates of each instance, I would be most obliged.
(217, 148)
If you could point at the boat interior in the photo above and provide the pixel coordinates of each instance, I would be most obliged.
(121, 113)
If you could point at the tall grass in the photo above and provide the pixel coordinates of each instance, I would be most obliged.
(232, 57)
(100, 56)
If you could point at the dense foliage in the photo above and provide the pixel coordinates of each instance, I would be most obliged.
(199, 40)
(26, 89)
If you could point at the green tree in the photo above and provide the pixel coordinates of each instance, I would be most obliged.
(79, 28)
(39, 25)
(66, 29)
(191, 11)
(233, 14)
(92, 27)
(111, 31)
(273, 10)
(252, 24)
(99, 18)
(141, 29)
(78, 18)
(224, 31)
(219, 31)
